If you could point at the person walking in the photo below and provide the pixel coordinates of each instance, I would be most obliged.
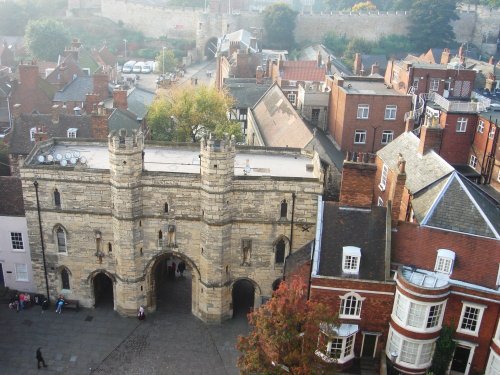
(39, 358)
(181, 268)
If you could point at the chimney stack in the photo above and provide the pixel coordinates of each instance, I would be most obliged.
(430, 137)
(101, 81)
(99, 123)
(55, 114)
(259, 75)
(375, 69)
(445, 56)
(28, 75)
(91, 101)
(120, 98)
(358, 66)
(397, 190)
(358, 176)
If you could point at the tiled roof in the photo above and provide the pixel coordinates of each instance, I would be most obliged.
(105, 56)
(342, 227)
(76, 90)
(11, 203)
(246, 92)
(19, 138)
(279, 123)
(421, 171)
(139, 101)
(33, 99)
(303, 71)
(123, 119)
(87, 61)
(65, 72)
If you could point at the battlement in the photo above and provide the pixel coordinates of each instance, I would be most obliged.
(125, 140)
(218, 145)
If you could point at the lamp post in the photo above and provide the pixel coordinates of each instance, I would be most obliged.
(41, 239)
(394, 357)
(125, 42)
(163, 61)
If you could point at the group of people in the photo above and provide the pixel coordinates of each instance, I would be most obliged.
(173, 267)
(20, 301)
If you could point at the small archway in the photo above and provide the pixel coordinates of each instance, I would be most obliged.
(211, 48)
(103, 291)
(243, 296)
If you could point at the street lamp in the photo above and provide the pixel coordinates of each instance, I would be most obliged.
(125, 41)
(163, 60)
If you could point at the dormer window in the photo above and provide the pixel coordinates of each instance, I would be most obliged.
(351, 257)
(32, 134)
(72, 132)
(444, 261)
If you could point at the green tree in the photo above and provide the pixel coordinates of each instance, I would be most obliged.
(46, 38)
(389, 45)
(13, 19)
(430, 23)
(279, 26)
(354, 46)
(445, 347)
(166, 61)
(335, 43)
(285, 334)
(189, 113)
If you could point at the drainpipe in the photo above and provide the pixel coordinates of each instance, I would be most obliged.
(291, 234)
(41, 239)
(310, 271)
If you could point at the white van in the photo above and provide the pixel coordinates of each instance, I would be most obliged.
(128, 66)
(148, 67)
(138, 67)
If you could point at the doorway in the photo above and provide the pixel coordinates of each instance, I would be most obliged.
(460, 360)
(243, 298)
(103, 291)
(2, 282)
(369, 344)
(173, 288)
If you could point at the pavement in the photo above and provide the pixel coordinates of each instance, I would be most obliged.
(99, 341)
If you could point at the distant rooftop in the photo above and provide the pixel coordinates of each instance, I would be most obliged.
(368, 86)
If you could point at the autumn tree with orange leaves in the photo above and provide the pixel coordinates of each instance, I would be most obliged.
(284, 334)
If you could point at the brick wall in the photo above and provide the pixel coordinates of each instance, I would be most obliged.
(455, 145)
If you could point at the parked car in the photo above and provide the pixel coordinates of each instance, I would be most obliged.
(129, 66)
(148, 67)
(138, 67)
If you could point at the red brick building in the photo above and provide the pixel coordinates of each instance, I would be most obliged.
(364, 114)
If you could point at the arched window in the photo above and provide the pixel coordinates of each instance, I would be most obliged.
(110, 247)
(160, 235)
(61, 240)
(165, 208)
(350, 305)
(65, 279)
(279, 251)
(283, 209)
(57, 198)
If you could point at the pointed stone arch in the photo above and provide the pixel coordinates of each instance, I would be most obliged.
(281, 249)
(241, 296)
(94, 276)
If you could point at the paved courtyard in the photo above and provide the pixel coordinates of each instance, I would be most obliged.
(99, 341)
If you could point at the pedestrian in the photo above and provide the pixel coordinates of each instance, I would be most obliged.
(181, 268)
(59, 304)
(39, 358)
(45, 304)
(22, 300)
(17, 300)
(141, 315)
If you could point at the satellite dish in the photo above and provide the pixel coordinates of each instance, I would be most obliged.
(83, 159)
(76, 154)
(59, 157)
(72, 161)
(64, 163)
(68, 155)
(50, 158)
(41, 159)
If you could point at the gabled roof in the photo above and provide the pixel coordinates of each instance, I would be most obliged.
(303, 71)
(65, 72)
(455, 203)
(123, 119)
(104, 56)
(87, 61)
(369, 60)
(311, 53)
(76, 90)
(421, 171)
(12, 203)
(19, 139)
(245, 91)
(278, 122)
(139, 101)
(341, 227)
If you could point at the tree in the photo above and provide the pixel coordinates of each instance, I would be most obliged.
(430, 23)
(189, 113)
(166, 61)
(364, 6)
(354, 46)
(335, 43)
(46, 38)
(279, 26)
(445, 347)
(13, 19)
(284, 334)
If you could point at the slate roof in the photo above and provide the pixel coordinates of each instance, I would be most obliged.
(65, 72)
(123, 119)
(298, 258)
(12, 203)
(303, 71)
(369, 60)
(278, 122)
(311, 53)
(86, 60)
(421, 171)
(139, 101)
(366, 229)
(19, 138)
(245, 91)
(325, 148)
(455, 203)
(76, 90)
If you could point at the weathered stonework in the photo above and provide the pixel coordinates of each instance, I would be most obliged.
(111, 217)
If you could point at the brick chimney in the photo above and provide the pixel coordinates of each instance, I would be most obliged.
(397, 190)
(100, 81)
(358, 176)
(259, 75)
(99, 123)
(430, 137)
(375, 69)
(41, 134)
(28, 75)
(358, 66)
(56, 111)
(91, 101)
(445, 56)
(120, 99)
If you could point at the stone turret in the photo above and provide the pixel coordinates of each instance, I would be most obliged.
(126, 164)
(217, 173)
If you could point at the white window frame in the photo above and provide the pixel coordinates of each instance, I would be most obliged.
(467, 306)
(350, 306)
(17, 243)
(493, 366)
(434, 84)
(292, 98)
(72, 132)
(363, 111)
(351, 258)
(473, 161)
(491, 133)
(401, 345)
(359, 137)
(346, 348)
(415, 315)
(292, 83)
(21, 273)
(444, 261)
(390, 112)
(383, 177)
(498, 278)
(380, 202)
(387, 137)
(480, 126)
(32, 134)
(462, 124)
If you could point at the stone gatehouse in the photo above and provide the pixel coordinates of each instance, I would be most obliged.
(115, 211)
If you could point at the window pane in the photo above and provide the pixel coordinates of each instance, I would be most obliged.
(434, 315)
(17, 240)
(426, 353)
(416, 315)
(21, 272)
(348, 346)
(409, 352)
(469, 321)
(65, 279)
(61, 240)
(336, 348)
(280, 251)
